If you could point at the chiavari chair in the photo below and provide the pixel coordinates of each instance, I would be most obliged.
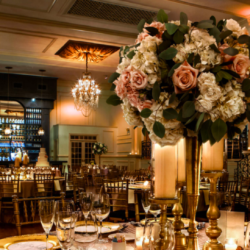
(44, 185)
(9, 186)
(30, 212)
(229, 188)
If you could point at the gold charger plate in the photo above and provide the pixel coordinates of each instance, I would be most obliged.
(6, 243)
(184, 220)
(113, 227)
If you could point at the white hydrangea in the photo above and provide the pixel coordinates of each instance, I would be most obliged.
(203, 105)
(130, 115)
(177, 22)
(201, 38)
(234, 26)
(124, 64)
(209, 90)
(149, 44)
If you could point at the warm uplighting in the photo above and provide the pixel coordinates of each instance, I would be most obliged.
(231, 244)
(86, 93)
(145, 183)
(7, 131)
(41, 131)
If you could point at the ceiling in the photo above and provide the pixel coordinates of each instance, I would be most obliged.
(32, 31)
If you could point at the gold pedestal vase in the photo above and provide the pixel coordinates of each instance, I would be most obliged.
(213, 213)
(180, 238)
(163, 241)
(193, 160)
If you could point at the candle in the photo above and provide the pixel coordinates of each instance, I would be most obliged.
(212, 156)
(181, 160)
(231, 244)
(165, 171)
(139, 237)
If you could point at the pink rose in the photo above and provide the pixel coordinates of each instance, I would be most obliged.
(240, 65)
(141, 37)
(133, 98)
(138, 79)
(146, 104)
(184, 78)
(125, 76)
(158, 25)
(120, 88)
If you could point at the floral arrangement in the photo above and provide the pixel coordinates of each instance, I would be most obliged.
(185, 78)
(99, 148)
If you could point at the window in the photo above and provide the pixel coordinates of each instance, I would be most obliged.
(81, 149)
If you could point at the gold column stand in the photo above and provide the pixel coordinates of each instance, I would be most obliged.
(162, 242)
(180, 238)
(193, 160)
(213, 214)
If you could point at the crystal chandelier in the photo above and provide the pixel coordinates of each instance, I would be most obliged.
(86, 93)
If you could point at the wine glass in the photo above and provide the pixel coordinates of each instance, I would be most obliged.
(145, 203)
(64, 229)
(60, 206)
(86, 205)
(155, 209)
(46, 212)
(101, 209)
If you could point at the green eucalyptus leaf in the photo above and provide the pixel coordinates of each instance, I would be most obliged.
(168, 54)
(225, 34)
(172, 98)
(159, 129)
(221, 24)
(162, 16)
(244, 39)
(144, 131)
(156, 91)
(199, 122)
(178, 37)
(213, 19)
(113, 77)
(150, 20)
(246, 85)
(114, 100)
(152, 31)
(141, 24)
(234, 74)
(192, 118)
(226, 75)
(166, 36)
(131, 54)
(214, 48)
(217, 68)
(215, 33)
(183, 18)
(112, 87)
(126, 49)
(165, 45)
(219, 129)
(171, 72)
(205, 131)
(184, 29)
(170, 113)
(188, 109)
(231, 51)
(145, 113)
(171, 28)
(190, 58)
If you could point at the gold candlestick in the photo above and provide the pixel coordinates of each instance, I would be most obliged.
(193, 159)
(180, 238)
(163, 241)
(213, 213)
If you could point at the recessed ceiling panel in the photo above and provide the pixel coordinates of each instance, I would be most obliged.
(110, 12)
(23, 43)
(77, 50)
(39, 5)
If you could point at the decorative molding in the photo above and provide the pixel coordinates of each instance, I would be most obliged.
(49, 45)
(58, 24)
(123, 143)
(19, 7)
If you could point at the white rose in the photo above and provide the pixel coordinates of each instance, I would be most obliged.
(208, 87)
(149, 44)
(234, 26)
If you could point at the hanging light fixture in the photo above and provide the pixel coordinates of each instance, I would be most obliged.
(41, 130)
(8, 130)
(86, 93)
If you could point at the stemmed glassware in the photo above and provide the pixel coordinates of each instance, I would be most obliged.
(101, 209)
(63, 206)
(64, 229)
(46, 212)
(155, 209)
(146, 202)
(86, 206)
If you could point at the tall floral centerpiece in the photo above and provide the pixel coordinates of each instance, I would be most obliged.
(185, 79)
(99, 149)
